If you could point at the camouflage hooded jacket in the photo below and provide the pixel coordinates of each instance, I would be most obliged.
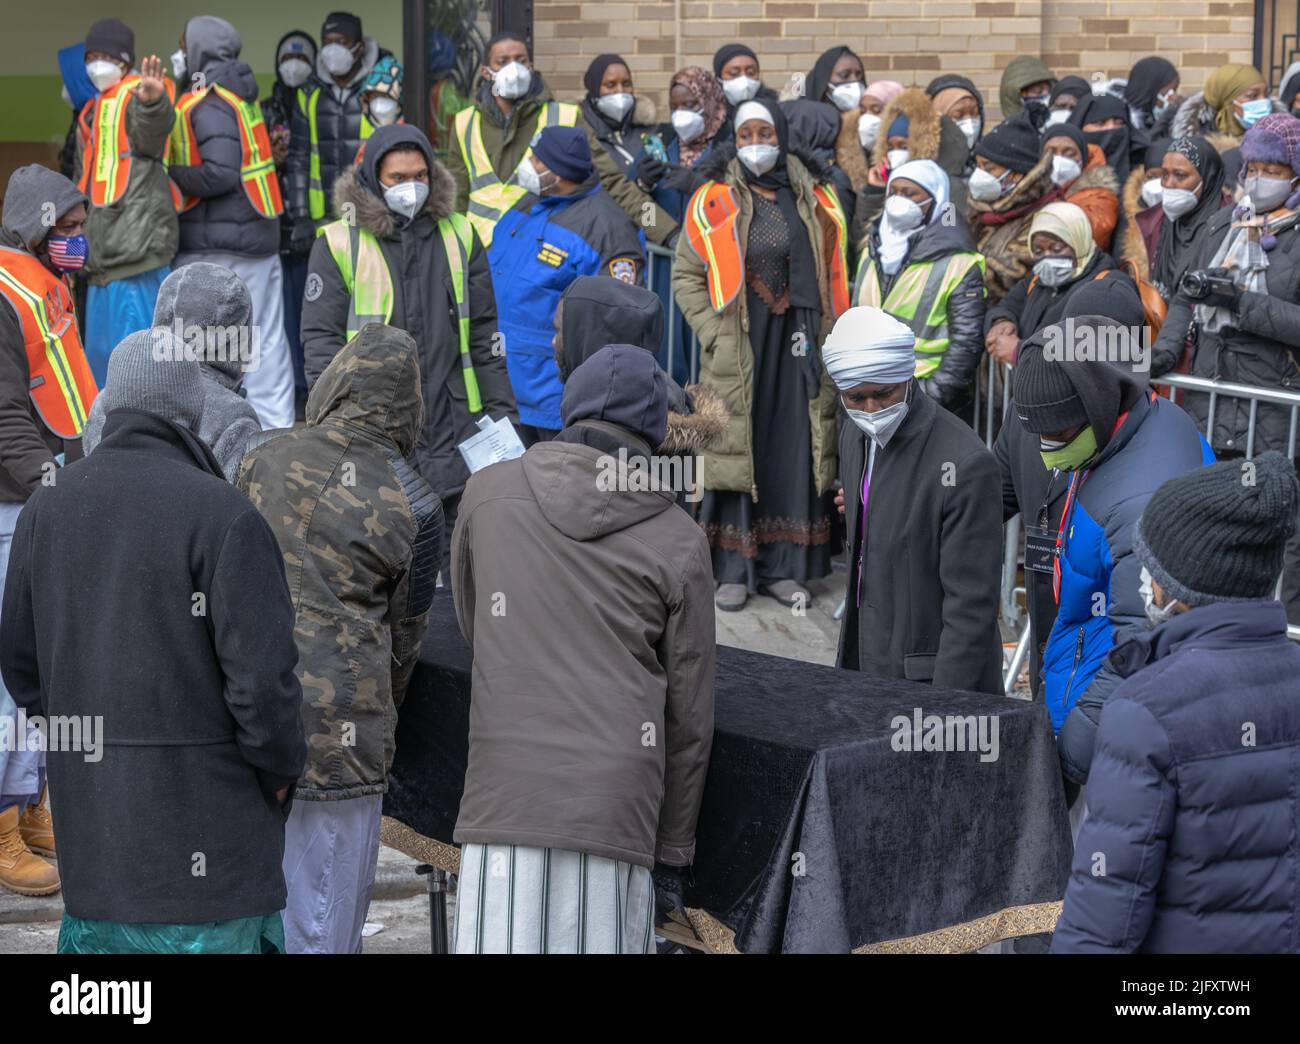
(361, 535)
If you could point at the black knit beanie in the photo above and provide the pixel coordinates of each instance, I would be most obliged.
(112, 37)
(1046, 399)
(1217, 534)
(1013, 144)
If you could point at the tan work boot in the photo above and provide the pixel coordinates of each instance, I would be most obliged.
(37, 828)
(20, 870)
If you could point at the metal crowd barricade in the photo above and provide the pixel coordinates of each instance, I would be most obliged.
(657, 256)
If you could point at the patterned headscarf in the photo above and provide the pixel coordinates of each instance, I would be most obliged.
(707, 94)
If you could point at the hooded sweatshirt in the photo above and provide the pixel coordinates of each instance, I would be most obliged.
(609, 627)
(223, 221)
(362, 546)
(206, 298)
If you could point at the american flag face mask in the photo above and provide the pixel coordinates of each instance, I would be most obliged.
(67, 253)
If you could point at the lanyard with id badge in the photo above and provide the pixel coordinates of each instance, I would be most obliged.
(1042, 545)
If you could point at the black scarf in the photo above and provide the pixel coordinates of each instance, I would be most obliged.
(1174, 248)
(1120, 143)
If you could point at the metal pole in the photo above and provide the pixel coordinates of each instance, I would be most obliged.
(1017, 661)
(437, 881)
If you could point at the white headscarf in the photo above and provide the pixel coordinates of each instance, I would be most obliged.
(893, 242)
(752, 110)
(868, 344)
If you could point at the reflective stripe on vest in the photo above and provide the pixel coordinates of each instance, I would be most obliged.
(106, 149)
(713, 234)
(490, 197)
(256, 164)
(919, 297)
(60, 382)
(365, 275)
(316, 207)
(839, 269)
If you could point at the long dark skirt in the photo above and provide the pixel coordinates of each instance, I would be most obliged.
(787, 534)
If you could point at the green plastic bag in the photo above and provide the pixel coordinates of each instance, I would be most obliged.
(239, 935)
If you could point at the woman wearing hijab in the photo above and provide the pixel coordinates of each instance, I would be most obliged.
(1103, 119)
(1026, 86)
(1164, 234)
(760, 276)
(907, 243)
(1234, 99)
(736, 68)
(1080, 175)
(1065, 260)
(837, 79)
(960, 100)
(615, 138)
(1151, 93)
(1064, 97)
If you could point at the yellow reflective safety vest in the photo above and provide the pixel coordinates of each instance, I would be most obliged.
(256, 164)
(308, 102)
(919, 298)
(489, 196)
(105, 148)
(365, 274)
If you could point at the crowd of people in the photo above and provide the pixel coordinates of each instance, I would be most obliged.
(244, 342)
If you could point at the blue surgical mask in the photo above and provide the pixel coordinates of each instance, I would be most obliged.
(1254, 111)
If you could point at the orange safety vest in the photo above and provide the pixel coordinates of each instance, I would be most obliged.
(712, 233)
(256, 164)
(105, 149)
(61, 384)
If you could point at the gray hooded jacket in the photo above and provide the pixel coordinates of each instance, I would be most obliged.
(209, 297)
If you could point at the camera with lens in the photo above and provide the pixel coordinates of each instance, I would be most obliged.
(1201, 284)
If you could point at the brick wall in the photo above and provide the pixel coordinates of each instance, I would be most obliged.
(905, 40)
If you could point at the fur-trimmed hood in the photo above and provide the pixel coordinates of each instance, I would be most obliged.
(372, 212)
(701, 426)
(923, 130)
(1097, 174)
(850, 156)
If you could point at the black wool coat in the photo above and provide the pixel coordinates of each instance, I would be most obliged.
(147, 592)
(930, 584)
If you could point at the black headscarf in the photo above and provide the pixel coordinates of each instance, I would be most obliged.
(596, 72)
(805, 294)
(1075, 86)
(1120, 143)
(1067, 130)
(1174, 248)
(726, 52)
(1145, 80)
(820, 77)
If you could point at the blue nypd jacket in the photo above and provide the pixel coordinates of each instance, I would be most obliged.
(1100, 604)
(538, 249)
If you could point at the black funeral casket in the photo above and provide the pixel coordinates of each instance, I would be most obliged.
(841, 811)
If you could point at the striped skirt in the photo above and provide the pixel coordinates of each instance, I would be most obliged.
(521, 899)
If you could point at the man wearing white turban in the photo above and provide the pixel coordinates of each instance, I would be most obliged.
(922, 503)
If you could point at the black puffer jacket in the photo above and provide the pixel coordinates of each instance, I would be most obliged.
(339, 123)
(1261, 347)
(423, 306)
(1031, 305)
(950, 383)
(223, 220)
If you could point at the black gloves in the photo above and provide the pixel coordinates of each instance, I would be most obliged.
(683, 179)
(1224, 298)
(302, 237)
(650, 171)
(670, 892)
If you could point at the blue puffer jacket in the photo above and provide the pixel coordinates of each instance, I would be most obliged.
(1193, 801)
(537, 250)
(1100, 604)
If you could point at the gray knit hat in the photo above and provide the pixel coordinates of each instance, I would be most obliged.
(148, 371)
(30, 188)
(208, 296)
(1217, 534)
